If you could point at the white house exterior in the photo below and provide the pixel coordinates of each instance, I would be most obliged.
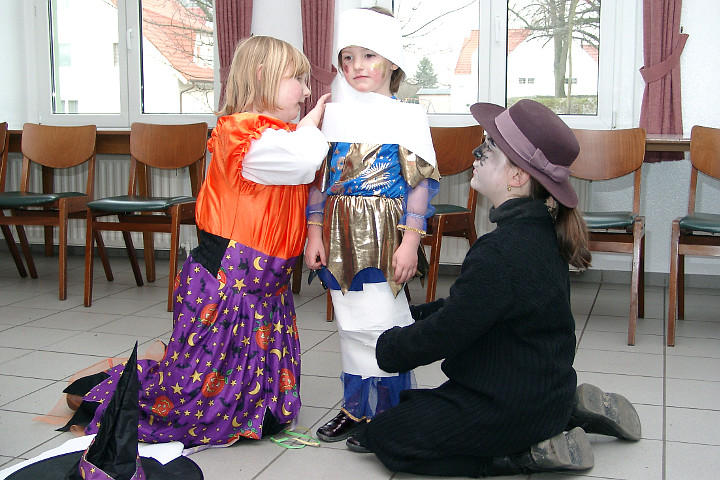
(529, 69)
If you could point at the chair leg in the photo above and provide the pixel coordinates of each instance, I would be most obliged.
(133, 258)
(26, 250)
(48, 241)
(329, 308)
(681, 286)
(434, 263)
(149, 253)
(62, 250)
(673, 284)
(472, 233)
(12, 246)
(89, 238)
(641, 280)
(297, 275)
(635, 280)
(103, 255)
(174, 244)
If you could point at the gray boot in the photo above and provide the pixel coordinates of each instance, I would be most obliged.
(565, 451)
(604, 413)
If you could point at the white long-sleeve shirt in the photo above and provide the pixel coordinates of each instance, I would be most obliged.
(280, 157)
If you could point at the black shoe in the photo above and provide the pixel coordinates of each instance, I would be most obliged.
(565, 451)
(611, 414)
(339, 428)
(355, 445)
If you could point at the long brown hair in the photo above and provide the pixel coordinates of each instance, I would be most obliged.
(571, 229)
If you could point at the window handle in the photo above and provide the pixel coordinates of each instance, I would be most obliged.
(498, 29)
(129, 33)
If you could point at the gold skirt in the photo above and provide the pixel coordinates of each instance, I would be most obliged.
(361, 232)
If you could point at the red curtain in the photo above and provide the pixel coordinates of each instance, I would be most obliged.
(662, 45)
(318, 19)
(233, 20)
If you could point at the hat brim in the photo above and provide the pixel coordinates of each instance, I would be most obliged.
(485, 114)
(57, 468)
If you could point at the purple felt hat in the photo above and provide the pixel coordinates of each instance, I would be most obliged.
(535, 139)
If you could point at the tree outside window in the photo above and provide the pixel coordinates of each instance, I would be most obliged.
(559, 42)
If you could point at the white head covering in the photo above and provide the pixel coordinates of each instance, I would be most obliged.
(368, 117)
(372, 30)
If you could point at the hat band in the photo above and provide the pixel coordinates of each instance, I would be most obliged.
(527, 151)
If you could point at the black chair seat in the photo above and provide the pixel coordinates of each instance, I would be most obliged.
(135, 203)
(598, 220)
(30, 199)
(447, 208)
(703, 222)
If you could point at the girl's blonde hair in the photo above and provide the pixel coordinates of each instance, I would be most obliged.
(258, 65)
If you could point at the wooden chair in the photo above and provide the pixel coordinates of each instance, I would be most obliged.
(158, 147)
(453, 148)
(12, 247)
(604, 155)
(53, 149)
(696, 233)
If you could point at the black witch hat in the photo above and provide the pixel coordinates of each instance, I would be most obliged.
(113, 453)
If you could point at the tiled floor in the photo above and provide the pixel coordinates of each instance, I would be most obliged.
(676, 390)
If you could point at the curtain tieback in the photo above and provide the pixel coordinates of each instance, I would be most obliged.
(323, 76)
(659, 70)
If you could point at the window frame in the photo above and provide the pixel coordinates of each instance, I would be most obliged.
(129, 50)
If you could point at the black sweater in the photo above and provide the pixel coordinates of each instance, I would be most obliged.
(506, 331)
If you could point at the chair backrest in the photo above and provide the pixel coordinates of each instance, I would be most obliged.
(4, 144)
(608, 154)
(55, 147)
(704, 156)
(166, 147)
(453, 149)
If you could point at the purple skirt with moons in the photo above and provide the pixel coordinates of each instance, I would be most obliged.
(233, 354)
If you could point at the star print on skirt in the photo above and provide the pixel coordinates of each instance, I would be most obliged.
(234, 353)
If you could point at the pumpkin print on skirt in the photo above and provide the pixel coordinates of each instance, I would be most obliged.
(233, 354)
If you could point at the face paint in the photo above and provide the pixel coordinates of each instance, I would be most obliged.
(381, 66)
(365, 70)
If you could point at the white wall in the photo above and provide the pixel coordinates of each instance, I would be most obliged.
(13, 89)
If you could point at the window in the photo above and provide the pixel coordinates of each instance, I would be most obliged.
(117, 62)
(91, 79)
(465, 51)
(554, 38)
(177, 56)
